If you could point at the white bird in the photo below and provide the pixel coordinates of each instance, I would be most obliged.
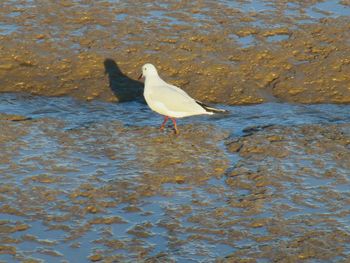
(169, 100)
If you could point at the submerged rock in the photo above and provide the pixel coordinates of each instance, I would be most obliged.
(12, 117)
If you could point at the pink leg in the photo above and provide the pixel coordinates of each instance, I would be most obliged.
(175, 126)
(164, 122)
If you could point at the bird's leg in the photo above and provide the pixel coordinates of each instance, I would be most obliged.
(164, 122)
(175, 126)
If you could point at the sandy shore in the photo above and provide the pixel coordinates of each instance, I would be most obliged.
(218, 52)
(98, 182)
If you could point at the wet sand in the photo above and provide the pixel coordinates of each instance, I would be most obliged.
(85, 182)
(86, 179)
(225, 52)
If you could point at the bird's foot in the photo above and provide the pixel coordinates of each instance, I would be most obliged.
(176, 130)
(163, 124)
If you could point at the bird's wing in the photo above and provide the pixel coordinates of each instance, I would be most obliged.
(178, 90)
(175, 99)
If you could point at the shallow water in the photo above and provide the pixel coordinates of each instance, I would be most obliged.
(96, 178)
(98, 181)
(307, 12)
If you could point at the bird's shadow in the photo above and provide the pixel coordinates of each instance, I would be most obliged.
(123, 87)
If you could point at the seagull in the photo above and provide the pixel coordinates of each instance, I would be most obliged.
(169, 100)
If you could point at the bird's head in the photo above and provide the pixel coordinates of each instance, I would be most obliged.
(148, 70)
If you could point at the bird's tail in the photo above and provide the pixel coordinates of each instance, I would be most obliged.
(210, 109)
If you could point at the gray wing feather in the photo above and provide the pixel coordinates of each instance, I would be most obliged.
(175, 99)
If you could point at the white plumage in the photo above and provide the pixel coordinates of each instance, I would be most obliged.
(169, 100)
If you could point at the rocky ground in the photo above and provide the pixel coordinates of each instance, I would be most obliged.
(217, 51)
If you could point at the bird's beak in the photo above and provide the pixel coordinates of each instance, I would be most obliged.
(141, 76)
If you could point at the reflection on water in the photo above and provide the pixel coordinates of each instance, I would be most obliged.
(98, 179)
